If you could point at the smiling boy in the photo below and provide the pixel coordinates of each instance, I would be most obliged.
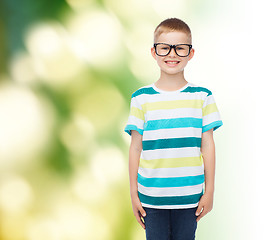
(172, 151)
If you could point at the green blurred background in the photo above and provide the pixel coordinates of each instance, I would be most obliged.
(67, 72)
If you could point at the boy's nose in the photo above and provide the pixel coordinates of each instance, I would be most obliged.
(172, 52)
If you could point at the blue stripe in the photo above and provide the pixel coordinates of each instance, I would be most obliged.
(130, 127)
(197, 89)
(213, 125)
(146, 90)
(150, 90)
(171, 181)
(173, 123)
(171, 143)
(170, 200)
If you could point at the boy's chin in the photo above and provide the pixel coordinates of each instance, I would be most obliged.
(175, 72)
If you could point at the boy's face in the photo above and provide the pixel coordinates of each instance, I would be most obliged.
(172, 38)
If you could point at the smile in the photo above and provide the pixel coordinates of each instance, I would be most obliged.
(172, 63)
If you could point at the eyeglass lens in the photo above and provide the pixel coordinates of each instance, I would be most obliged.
(163, 49)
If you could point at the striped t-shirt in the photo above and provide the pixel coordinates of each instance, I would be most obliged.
(171, 168)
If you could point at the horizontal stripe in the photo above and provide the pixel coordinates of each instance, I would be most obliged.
(213, 125)
(171, 143)
(144, 90)
(137, 113)
(171, 153)
(128, 129)
(171, 172)
(171, 191)
(171, 162)
(171, 97)
(184, 206)
(132, 120)
(171, 181)
(172, 133)
(210, 108)
(174, 104)
(180, 200)
(193, 89)
(211, 118)
(173, 123)
(190, 89)
(174, 113)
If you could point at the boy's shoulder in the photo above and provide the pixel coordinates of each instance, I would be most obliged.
(199, 88)
(141, 90)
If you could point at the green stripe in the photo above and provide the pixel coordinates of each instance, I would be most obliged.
(171, 162)
(171, 143)
(169, 200)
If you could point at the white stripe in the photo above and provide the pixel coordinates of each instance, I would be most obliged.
(209, 100)
(171, 172)
(172, 191)
(171, 206)
(135, 103)
(215, 116)
(171, 153)
(172, 133)
(172, 97)
(135, 121)
(151, 98)
(174, 113)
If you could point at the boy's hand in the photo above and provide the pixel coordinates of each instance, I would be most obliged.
(138, 210)
(205, 202)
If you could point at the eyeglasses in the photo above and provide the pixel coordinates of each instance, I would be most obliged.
(163, 49)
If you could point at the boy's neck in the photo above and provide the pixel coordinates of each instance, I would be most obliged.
(169, 82)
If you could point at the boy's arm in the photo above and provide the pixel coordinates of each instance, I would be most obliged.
(134, 159)
(208, 152)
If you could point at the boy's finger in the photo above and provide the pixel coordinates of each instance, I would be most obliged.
(140, 221)
(198, 211)
(202, 214)
(199, 216)
(142, 211)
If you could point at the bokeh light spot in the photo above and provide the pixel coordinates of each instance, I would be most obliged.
(51, 47)
(15, 194)
(25, 124)
(98, 34)
(107, 165)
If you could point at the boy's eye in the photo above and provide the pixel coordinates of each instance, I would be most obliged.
(180, 48)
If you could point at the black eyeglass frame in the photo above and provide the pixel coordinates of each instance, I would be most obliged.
(172, 46)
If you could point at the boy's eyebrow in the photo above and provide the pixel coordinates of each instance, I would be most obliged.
(188, 44)
(174, 44)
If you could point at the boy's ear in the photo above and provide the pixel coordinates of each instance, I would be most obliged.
(153, 53)
(192, 52)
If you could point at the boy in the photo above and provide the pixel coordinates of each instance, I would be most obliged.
(171, 124)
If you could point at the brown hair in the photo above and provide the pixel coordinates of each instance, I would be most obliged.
(171, 25)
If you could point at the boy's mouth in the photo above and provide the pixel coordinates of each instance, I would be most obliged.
(172, 63)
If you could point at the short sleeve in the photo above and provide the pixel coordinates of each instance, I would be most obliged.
(211, 117)
(136, 117)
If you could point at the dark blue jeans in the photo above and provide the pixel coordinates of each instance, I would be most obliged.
(170, 224)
